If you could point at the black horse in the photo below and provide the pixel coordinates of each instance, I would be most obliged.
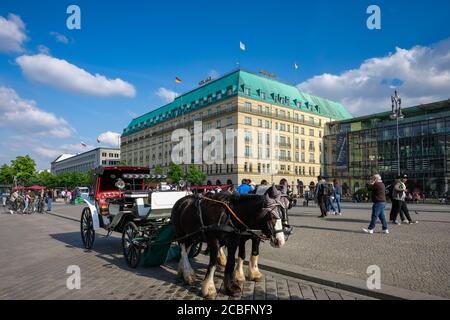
(286, 203)
(223, 220)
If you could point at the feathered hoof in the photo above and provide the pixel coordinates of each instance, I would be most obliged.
(209, 293)
(256, 277)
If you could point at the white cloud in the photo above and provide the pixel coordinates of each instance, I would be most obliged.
(110, 138)
(12, 33)
(43, 49)
(61, 74)
(50, 152)
(166, 94)
(59, 37)
(24, 117)
(421, 75)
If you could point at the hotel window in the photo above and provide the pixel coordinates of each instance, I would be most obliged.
(302, 118)
(263, 95)
(289, 155)
(282, 114)
(248, 137)
(248, 107)
(260, 138)
(296, 116)
(276, 125)
(247, 91)
(282, 127)
(296, 144)
(267, 124)
(297, 156)
(303, 144)
(248, 121)
(267, 110)
(302, 131)
(288, 128)
(267, 154)
(311, 145)
(311, 120)
(296, 130)
(259, 153)
(311, 157)
(311, 132)
(260, 123)
(268, 139)
(260, 109)
(103, 154)
(230, 121)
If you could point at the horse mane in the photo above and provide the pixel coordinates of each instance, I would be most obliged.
(242, 202)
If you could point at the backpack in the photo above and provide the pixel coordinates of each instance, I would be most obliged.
(324, 190)
(390, 191)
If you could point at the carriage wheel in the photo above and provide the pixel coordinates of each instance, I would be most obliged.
(87, 229)
(195, 250)
(131, 251)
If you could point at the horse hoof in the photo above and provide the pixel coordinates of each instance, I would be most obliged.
(234, 291)
(190, 280)
(239, 277)
(210, 293)
(257, 277)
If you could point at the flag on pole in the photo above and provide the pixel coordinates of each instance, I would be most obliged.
(84, 145)
(242, 45)
(177, 80)
(295, 66)
(98, 139)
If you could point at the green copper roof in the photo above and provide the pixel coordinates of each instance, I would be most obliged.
(240, 83)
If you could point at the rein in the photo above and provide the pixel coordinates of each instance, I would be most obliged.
(247, 229)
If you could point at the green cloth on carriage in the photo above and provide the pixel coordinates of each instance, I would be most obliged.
(156, 253)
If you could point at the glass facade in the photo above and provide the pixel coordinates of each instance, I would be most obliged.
(371, 147)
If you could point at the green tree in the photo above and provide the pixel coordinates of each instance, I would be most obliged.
(158, 169)
(6, 174)
(194, 175)
(175, 172)
(44, 178)
(24, 168)
(122, 163)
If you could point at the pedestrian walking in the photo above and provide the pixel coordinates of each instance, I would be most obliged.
(4, 199)
(321, 196)
(399, 201)
(49, 199)
(379, 203)
(337, 195)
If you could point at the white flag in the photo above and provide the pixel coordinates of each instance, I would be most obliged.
(295, 66)
(242, 45)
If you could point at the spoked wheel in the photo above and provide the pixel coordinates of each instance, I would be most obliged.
(131, 250)
(87, 229)
(195, 250)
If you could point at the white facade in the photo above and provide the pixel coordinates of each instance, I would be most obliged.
(86, 161)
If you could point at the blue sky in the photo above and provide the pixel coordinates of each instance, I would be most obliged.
(146, 44)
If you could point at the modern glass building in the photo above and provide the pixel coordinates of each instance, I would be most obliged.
(357, 148)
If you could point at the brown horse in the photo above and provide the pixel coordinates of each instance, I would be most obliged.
(222, 220)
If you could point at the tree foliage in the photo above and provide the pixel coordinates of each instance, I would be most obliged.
(175, 173)
(195, 175)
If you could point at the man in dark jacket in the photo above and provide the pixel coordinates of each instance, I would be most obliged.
(321, 196)
(379, 203)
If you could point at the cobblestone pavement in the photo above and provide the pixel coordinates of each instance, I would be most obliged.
(414, 257)
(36, 250)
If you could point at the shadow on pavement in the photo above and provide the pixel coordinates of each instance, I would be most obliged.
(109, 249)
(327, 229)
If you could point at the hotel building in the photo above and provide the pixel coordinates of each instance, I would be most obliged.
(280, 129)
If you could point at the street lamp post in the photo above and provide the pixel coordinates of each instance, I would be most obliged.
(397, 114)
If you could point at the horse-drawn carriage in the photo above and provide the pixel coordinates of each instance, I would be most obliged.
(122, 204)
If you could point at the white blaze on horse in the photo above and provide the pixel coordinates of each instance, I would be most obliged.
(224, 220)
